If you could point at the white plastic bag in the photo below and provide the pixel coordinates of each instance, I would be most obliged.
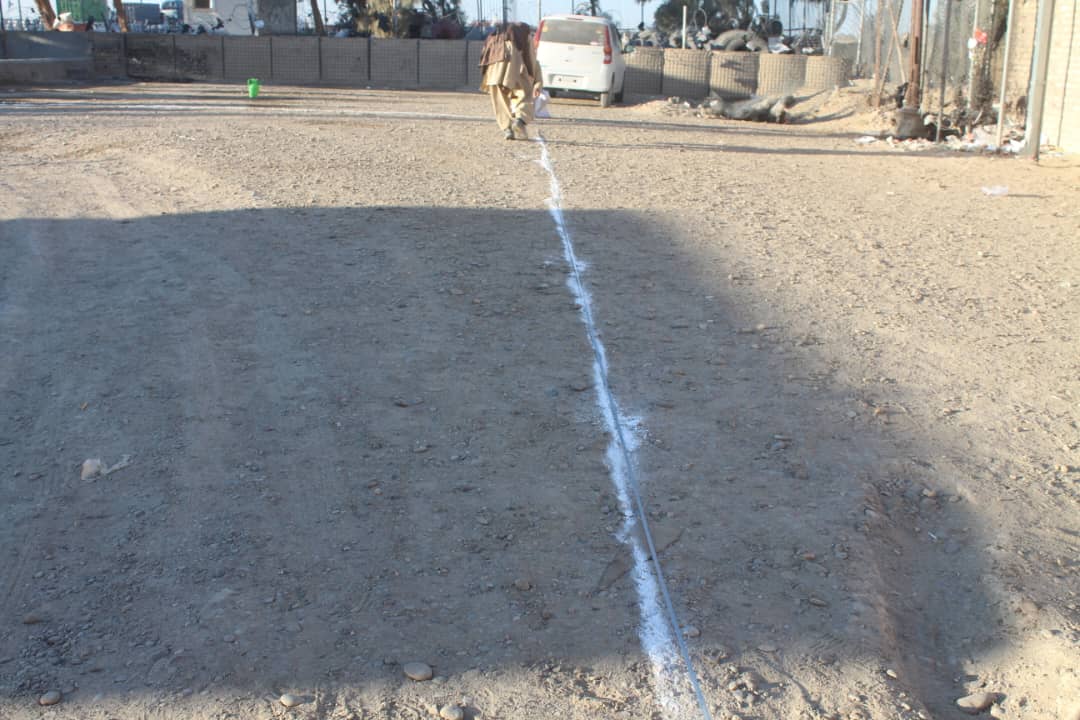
(540, 106)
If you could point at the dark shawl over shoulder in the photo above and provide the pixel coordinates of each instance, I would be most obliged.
(495, 50)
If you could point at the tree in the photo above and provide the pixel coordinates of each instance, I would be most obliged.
(390, 18)
(718, 15)
(316, 17)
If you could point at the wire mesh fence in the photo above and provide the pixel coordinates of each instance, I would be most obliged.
(962, 51)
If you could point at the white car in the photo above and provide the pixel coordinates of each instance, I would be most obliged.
(580, 53)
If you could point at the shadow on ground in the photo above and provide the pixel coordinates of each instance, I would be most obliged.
(366, 436)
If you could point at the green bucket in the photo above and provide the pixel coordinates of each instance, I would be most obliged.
(253, 88)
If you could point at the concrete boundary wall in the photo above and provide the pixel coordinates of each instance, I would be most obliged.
(248, 57)
(443, 64)
(150, 57)
(396, 63)
(345, 61)
(107, 55)
(200, 57)
(411, 64)
(295, 60)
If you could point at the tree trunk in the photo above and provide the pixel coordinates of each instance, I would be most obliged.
(121, 16)
(48, 16)
(320, 29)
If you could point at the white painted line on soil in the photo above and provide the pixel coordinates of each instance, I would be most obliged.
(661, 635)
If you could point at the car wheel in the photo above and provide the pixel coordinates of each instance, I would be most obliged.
(552, 93)
(605, 99)
(618, 96)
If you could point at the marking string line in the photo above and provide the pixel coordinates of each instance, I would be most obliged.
(610, 408)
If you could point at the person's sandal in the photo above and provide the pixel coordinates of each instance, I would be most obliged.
(519, 128)
(509, 133)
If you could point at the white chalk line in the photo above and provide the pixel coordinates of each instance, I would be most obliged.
(661, 636)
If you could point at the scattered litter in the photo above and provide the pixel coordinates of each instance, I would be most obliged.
(94, 467)
(984, 139)
(91, 468)
(865, 140)
(995, 191)
(124, 461)
(540, 109)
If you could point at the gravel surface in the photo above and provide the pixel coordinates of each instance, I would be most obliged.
(318, 354)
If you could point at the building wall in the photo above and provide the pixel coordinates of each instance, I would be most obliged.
(1021, 50)
(279, 16)
(1061, 110)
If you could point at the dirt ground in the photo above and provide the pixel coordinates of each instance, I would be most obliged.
(331, 336)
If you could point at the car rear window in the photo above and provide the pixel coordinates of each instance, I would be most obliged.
(572, 32)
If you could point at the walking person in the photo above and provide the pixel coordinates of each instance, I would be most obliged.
(512, 78)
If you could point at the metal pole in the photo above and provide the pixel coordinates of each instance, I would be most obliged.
(683, 27)
(1037, 92)
(944, 70)
(1005, 71)
(862, 27)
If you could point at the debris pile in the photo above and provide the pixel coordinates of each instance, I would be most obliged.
(771, 108)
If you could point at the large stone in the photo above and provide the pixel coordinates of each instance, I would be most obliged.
(418, 671)
(976, 703)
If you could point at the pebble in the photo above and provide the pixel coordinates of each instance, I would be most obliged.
(976, 703)
(523, 584)
(289, 700)
(418, 671)
(767, 648)
(892, 673)
(452, 712)
(50, 698)
(818, 602)
(32, 619)
(691, 631)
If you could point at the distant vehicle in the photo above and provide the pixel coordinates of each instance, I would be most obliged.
(581, 53)
(173, 10)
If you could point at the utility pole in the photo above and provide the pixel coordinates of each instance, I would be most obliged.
(914, 93)
(909, 123)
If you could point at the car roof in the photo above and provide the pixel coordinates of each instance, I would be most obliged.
(581, 18)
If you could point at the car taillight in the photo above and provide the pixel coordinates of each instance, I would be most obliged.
(607, 46)
(539, 29)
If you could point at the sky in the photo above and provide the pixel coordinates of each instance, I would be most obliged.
(627, 13)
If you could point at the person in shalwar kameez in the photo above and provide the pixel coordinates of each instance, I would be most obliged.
(512, 78)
